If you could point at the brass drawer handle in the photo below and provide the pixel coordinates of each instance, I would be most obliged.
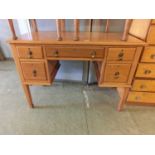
(93, 54)
(34, 73)
(147, 71)
(30, 53)
(116, 75)
(56, 53)
(120, 55)
(152, 56)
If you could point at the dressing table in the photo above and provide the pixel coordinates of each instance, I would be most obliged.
(115, 56)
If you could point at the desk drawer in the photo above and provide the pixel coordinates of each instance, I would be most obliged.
(117, 73)
(34, 70)
(74, 52)
(148, 54)
(30, 52)
(146, 70)
(141, 97)
(121, 54)
(144, 85)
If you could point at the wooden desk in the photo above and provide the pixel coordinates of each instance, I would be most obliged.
(37, 58)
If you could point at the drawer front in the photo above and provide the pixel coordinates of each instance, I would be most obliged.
(151, 35)
(117, 72)
(148, 54)
(74, 52)
(33, 70)
(146, 70)
(30, 52)
(153, 21)
(121, 54)
(141, 97)
(144, 85)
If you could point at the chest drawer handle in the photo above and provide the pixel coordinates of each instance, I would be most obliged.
(137, 97)
(93, 54)
(152, 56)
(142, 86)
(56, 53)
(30, 54)
(34, 72)
(147, 71)
(116, 75)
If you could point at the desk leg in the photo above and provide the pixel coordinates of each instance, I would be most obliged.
(123, 93)
(28, 95)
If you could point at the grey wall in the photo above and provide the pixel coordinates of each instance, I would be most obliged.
(70, 70)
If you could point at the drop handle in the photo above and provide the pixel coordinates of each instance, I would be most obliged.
(152, 56)
(147, 71)
(34, 72)
(30, 54)
(120, 55)
(116, 75)
(93, 54)
(56, 53)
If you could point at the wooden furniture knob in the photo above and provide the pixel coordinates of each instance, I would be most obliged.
(30, 54)
(93, 54)
(147, 71)
(34, 72)
(152, 56)
(116, 75)
(56, 53)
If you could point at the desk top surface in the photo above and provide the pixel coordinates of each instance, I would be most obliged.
(85, 38)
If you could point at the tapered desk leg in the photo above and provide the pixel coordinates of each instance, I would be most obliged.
(123, 92)
(28, 95)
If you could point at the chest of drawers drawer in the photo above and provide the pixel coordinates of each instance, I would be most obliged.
(117, 73)
(144, 85)
(141, 97)
(89, 53)
(148, 54)
(151, 35)
(30, 52)
(121, 54)
(33, 70)
(146, 70)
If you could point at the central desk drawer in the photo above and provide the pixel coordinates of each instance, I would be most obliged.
(121, 54)
(117, 73)
(33, 70)
(30, 52)
(89, 53)
(146, 70)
